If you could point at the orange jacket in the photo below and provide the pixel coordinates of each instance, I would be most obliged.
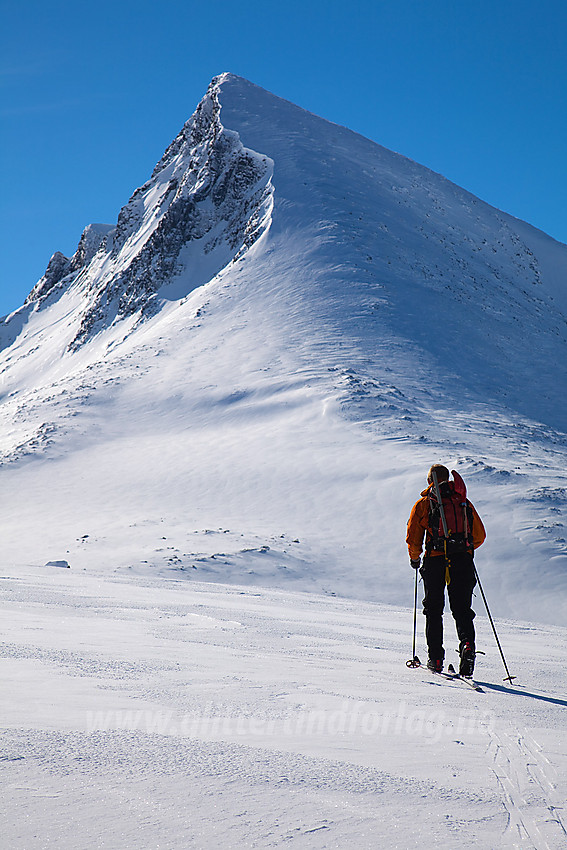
(419, 520)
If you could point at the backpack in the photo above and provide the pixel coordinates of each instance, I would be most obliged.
(458, 516)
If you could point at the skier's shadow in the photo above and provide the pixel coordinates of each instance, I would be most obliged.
(519, 692)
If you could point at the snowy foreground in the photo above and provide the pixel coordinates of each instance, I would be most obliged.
(152, 712)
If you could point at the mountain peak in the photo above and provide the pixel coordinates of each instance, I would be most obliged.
(288, 322)
(207, 194)
(248, 164)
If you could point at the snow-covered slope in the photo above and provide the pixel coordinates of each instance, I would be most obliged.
(247, 377)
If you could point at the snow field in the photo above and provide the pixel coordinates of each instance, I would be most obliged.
(144, 712)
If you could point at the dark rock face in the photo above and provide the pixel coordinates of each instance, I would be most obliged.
(207, 189)
(57, 269)
(61, 267)
(92, 240)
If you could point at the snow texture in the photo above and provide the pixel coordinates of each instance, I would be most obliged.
(151, 712)
(220, 411)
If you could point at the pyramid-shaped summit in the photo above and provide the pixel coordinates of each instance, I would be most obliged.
(391, 246)
(286, 309)
(207, 198)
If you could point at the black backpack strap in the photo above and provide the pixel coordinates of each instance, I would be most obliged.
(433, 540)
(468, 522)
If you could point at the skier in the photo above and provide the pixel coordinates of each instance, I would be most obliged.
(450, 541)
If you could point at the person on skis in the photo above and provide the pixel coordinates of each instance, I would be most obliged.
(452, 531)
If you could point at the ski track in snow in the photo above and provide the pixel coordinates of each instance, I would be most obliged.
(149, 712)
(529, 787)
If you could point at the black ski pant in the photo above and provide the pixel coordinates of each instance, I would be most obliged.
(459, 590)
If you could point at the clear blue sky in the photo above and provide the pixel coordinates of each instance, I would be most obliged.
(93, 93)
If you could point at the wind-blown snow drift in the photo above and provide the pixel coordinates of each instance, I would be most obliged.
(286, 326)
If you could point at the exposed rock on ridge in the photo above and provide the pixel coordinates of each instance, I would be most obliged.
(93, 238)
(207, 188)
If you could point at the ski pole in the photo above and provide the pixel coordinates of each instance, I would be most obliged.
(508, 677)
(414, 660)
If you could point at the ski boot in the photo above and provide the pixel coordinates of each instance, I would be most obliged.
(466, 667)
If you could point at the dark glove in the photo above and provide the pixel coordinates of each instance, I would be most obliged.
(415, 562)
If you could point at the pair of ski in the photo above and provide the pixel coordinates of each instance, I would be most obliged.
(451, 674)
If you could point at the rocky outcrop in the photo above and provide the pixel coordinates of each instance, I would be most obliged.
(64, 269)
(57, 269)
(207, 190)
(93, 238)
